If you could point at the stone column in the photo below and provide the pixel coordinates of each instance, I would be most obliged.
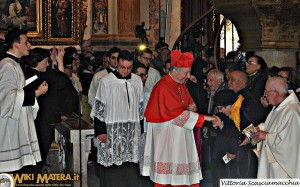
(279, 58)
(113, 17)
(173, 22)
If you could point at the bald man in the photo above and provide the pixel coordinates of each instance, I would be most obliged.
(280, 133)
(237, 80)
(252, 111)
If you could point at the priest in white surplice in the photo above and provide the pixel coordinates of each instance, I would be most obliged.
(113, 54)
(171, 156)
(280, 149)
(18, 140)
(117, 113)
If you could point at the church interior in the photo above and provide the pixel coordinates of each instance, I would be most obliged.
(217, 30)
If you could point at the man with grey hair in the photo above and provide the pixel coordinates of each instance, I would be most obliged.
(280, 147)
(86, 46)
(215, 83)
(215, 78)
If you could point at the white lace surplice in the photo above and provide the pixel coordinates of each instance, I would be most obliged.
(121, 145)
(119, 103)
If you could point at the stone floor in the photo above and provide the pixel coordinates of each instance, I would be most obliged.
(93, 180)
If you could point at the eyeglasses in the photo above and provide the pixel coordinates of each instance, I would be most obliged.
(143, 75)
(113, 57)
(232, 79)
(45, 60)
(220, 107)
(146, 58)
(268, 91)
(282, 76)
(251, 63)
(75, 55)
(125, 68)
(69, 66)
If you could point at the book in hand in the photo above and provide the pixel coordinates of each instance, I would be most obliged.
(30, 80)
(249, 131)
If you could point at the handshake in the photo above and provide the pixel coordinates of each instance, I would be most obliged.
(214, 119)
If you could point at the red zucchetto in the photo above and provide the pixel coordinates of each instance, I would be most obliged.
(181, 60)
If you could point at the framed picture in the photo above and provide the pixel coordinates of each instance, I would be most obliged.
(62, 22)
(24, 14)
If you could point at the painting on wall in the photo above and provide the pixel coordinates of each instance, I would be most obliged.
(24, 14)
(62, 22)
(61, 18)
(100, 17)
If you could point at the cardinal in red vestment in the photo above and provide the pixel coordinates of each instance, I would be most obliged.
(171, 157)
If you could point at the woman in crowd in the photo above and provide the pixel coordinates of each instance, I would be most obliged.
(257, 72)
(54, 102)
(288, 74)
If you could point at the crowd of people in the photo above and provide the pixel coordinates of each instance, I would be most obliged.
(156, 122)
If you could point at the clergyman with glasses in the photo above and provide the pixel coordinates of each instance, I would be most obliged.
(113, 54)
(279, 151)
(117, 115)
(145, 57)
